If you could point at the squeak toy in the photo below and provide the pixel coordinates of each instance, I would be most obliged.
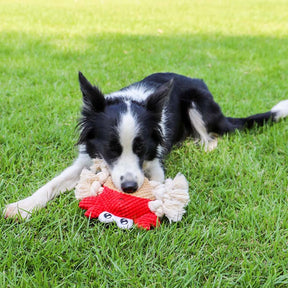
(144, 208)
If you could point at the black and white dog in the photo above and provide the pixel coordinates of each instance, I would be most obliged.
(134, 128)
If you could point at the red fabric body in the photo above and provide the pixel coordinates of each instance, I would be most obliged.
(121, 205)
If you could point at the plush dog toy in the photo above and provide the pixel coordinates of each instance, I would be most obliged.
(152, 201)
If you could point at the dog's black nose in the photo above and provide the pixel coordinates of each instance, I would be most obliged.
(129, 186)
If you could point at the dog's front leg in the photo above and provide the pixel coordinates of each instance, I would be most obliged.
(154, 170)
(66, 181)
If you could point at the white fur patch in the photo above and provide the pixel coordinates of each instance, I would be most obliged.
(160, 149)
(135, 92)
(280, 110)
(127, 130)
(154, 170)
(127, 166)
(206, 140)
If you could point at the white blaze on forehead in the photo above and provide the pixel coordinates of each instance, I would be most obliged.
(127, 130)
(127, 168)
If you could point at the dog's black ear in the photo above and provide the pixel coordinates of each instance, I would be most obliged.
(156, 101)
(93, 98)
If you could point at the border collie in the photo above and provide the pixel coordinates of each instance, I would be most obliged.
(134, 128)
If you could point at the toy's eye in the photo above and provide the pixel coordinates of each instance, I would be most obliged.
(123, 221)
(107, 215)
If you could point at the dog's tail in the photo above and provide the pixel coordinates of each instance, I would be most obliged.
(278, 112)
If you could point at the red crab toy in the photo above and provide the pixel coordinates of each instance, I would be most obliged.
(112, 205)
(100, 198)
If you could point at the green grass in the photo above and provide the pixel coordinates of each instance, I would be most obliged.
(235, 231)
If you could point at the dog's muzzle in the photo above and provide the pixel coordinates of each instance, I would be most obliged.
(128, 183)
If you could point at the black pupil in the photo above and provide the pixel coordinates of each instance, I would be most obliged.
(124, 221)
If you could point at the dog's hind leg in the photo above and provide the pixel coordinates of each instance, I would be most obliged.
(207, 119)
(66, 181)
(207, 140)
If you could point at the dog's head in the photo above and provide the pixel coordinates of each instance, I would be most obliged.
(123, 132)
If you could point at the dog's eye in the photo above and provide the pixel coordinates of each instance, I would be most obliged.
(138, 146)
(115, 149)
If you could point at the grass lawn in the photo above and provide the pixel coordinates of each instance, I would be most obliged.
(235, 231)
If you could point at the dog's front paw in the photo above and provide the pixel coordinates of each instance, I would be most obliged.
(19, 210)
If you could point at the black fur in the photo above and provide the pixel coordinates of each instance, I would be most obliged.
(162, 115)
(173, 92)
